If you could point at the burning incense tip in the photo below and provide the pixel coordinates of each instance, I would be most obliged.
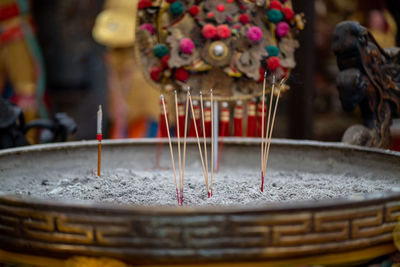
(201, 93)
(174, 91)
(161, 97)
(211, 91)
(283, 81)
(273, 79)
(265, 74)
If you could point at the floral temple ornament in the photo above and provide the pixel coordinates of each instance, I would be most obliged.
(226, 45)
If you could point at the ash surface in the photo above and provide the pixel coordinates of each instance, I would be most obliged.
(230, 188)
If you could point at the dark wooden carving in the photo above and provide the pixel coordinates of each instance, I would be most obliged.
(369, 77)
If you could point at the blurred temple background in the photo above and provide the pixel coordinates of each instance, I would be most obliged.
(81, 73)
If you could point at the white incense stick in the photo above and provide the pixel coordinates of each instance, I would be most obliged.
(198, 143)
(204, 134)
(184, 143)
(212, 140)
(179, 142)
(170, 146)
(99, 138)
(262, 132)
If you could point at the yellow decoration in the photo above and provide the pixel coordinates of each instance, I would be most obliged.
(115, 28)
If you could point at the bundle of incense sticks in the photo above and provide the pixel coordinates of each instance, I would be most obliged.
(182, 160)
(265, 145)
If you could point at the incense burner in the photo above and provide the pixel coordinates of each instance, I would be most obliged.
(340, 231)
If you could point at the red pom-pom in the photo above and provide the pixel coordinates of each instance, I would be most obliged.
(164, 61)
(244, 19)
(273, 63)
(223, 31)
(144, 4)
(288, 12)
(194, 10)
(181, 74)
(275, 5)
(155, 73)
(170, 1)
(209, 31)
(221, 7)
(210, 15)
(230, 1)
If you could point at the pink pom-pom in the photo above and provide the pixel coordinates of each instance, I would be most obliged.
(282, 29)
(186, 46)
(254, 34)
(148, 27)
(209, 31)
(223, 31)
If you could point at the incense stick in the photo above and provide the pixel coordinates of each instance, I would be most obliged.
(179, 142)
(198, 143)
(170, 146)
(272, 123)
(184, 144)
(99, 138)
(212, 140)
(204, 134)
(262, 132)
(268, 127)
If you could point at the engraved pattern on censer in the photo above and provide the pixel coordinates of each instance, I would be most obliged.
(239, 235)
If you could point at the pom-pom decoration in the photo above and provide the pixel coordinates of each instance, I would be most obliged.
(164, 61)
(244, 19)
(176, 8)
(223, 31)
(272, 50)
(144, 4)
(160, 50)
(181, 74)
(254, 34)
(274, 15)
(221, 7)
(273, 63)
(275, 5)
(194, 10)
(225, 45)
(148, 27)
(155, 73)
(209, 31)
(288, 12)
(186, 45)
(282, 29)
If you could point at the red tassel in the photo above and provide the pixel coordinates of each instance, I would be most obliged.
(224, 121)
(192, 131)
(181, 118)
(207, 118)
(259, 117)
(238, 119)
(251, 119)
(162, 127)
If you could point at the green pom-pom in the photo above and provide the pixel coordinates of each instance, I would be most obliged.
(274, 15)
(272, 50)
(176, 8)
(160, 50)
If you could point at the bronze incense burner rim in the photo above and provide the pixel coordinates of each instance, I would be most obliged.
(361, 200)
